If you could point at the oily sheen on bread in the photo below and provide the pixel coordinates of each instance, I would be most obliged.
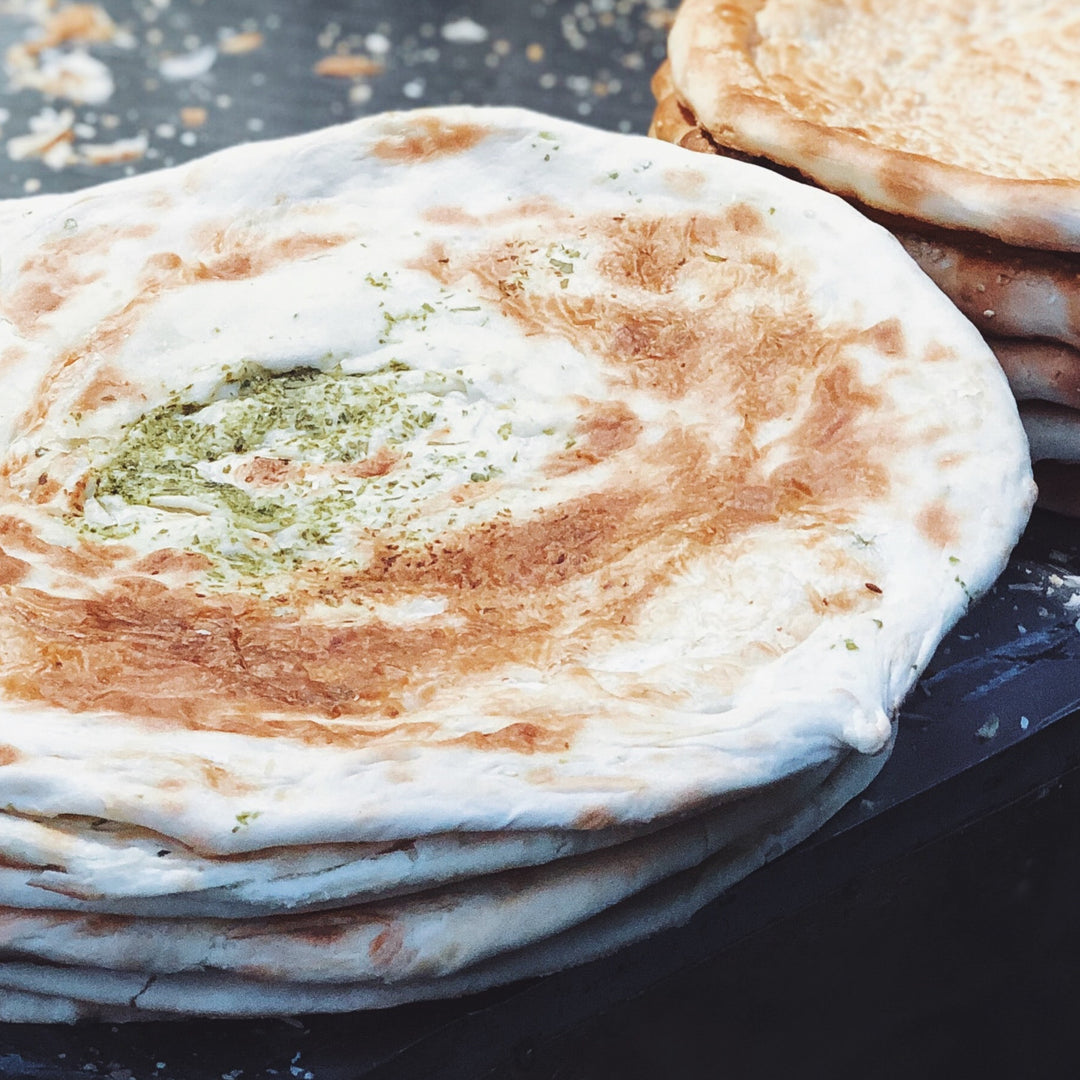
(924, 109)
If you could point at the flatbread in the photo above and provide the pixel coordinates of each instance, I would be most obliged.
(673, 121)
(112, 872)
(75, 864)
(1006, 291)
(426, 542)
(1053, 431)
(923, 110)
(715, 536)
(1040, 370)
(1011, 294)
(427, 936)
(64, 993)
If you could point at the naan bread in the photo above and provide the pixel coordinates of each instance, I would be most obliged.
(464, 471)
(1033, 295)
(65, 993)
(922, 109)
(497, 532)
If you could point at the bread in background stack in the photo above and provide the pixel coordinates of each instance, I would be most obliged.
(951, 124)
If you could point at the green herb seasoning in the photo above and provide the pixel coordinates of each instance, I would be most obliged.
(274, 469)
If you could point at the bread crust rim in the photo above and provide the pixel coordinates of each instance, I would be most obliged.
(710, 54)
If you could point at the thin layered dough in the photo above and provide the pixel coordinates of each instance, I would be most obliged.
(65, 993)
(1006, 292)
(100, 867)
(1040, 370)
(422, 937)
(923, 110)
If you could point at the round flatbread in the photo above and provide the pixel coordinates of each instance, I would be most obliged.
(921, 109)
(466, 470)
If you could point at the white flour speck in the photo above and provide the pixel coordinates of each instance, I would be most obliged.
(464, 32)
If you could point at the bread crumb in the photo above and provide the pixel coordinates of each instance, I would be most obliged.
(52, 140)
(349, 66)
(49, 139)
(193, 116)
(113, 153)
(188, 65)
(75, 75)
(76, 22)
(246, 42)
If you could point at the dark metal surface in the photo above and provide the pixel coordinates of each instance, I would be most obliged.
(583, 61)
(989, 724)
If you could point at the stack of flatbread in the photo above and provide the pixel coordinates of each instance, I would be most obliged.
(442, 549)
(953, 124)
